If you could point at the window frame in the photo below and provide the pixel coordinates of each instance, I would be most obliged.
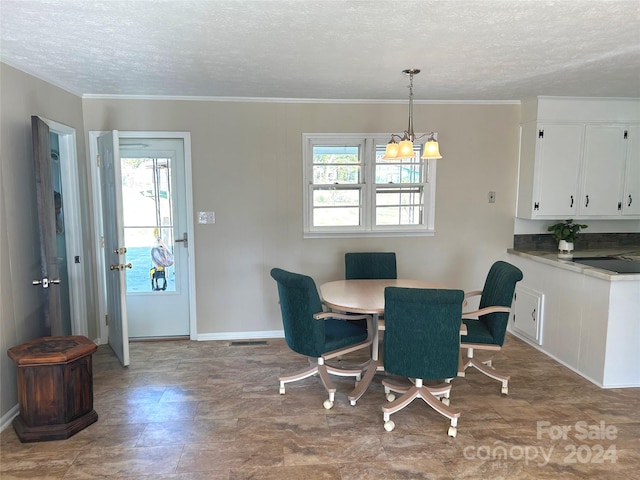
(367, 156)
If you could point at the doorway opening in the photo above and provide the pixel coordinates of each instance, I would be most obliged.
(155, 214)
(62, 163)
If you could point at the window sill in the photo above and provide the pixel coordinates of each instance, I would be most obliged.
(421, 233)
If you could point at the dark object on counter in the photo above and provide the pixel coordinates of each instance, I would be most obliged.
(611, 264)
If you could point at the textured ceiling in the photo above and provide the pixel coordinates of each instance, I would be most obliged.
(328, 49)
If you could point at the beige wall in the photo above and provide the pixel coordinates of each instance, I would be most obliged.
(255, 188)
(21, 307)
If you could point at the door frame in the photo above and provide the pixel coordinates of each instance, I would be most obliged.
(98, 222)
(72, 223)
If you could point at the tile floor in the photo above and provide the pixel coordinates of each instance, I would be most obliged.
(207, 410)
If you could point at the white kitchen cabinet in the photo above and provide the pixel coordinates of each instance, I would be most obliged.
(603, 170)
(631, 191)
(578, 159)
(526, 313)
(591, 322)
(549, 171)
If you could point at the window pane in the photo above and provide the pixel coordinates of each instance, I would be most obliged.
(399, 196)
(336, 197)
(398, 173)
(336, 164)
(150, 251)
(411, 215)
(408, 170)
(336, 217)
(399, 206)
(336, 154)
(324, 174)
(146, 192)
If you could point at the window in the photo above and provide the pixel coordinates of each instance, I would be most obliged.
(349, 190)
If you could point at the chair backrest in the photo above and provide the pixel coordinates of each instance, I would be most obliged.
(299, 301)
(422, 332)
(370, 265)
(498, 290)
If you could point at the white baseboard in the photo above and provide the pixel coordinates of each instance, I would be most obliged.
(240, 335)
(8, 417)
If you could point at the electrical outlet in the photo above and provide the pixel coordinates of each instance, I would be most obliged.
(492, 197)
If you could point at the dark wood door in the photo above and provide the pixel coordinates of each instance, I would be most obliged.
(49, 279)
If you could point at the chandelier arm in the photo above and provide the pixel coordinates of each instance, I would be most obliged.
(430, 135)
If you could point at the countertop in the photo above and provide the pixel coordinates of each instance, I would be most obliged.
(551, 258)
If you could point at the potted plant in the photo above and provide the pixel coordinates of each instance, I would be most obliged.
(566, 233)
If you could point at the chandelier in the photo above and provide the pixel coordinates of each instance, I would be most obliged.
(404, 149)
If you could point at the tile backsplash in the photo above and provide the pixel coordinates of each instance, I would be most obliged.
(586, 241)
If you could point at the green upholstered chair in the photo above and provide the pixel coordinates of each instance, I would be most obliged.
(369, 265)
(487, 326)
(422, 342)
(317, 334)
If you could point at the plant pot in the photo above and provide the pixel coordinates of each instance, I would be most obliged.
(565, 249)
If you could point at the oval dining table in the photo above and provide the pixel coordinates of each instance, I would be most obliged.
(367, 297)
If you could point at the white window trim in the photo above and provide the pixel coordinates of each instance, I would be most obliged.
(367, 229)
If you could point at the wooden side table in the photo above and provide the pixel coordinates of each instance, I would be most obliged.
(55, 387)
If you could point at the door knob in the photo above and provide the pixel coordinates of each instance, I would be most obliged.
(45, 282)
(120, 251)
(120, 267)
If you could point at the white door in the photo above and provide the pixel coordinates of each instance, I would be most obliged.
(114, 246)
(155, 232)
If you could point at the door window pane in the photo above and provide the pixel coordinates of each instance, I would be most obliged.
(148, 224)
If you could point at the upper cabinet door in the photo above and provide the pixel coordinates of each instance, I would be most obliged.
(604, 165)
(631, 191)
(558, 151)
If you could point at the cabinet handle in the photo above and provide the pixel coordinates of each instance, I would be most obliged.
(571, 205)
(533, 315)
(630, 200)
(587, 202)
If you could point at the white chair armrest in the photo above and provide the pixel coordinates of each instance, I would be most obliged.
(473, 315)
(340, 316)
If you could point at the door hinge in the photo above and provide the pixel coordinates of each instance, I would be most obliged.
(99, 160)
(102, 242)
(106, 320)
(626, 134)
(540, 133)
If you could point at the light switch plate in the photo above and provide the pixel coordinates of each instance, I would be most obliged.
(206, 217)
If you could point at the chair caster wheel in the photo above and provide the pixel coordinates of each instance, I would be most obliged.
(453, 431)
(281, 390)
(504, 390)
(446, 401)
(390, 397)
(389, 425)
(327, 404)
